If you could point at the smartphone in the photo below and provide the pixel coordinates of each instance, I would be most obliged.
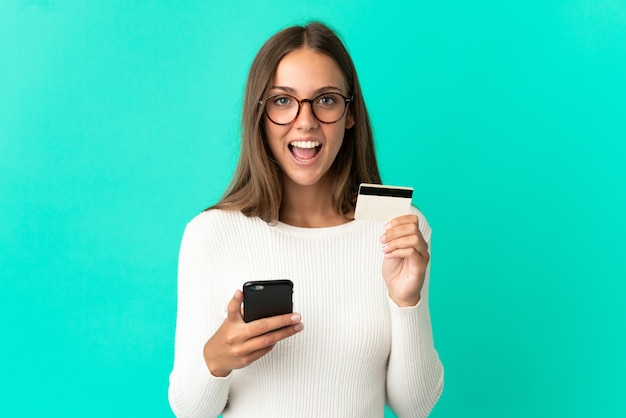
(262, 299)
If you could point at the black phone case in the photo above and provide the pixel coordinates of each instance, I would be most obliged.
(262, 299)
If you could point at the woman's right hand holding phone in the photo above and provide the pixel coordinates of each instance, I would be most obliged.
(237, 344)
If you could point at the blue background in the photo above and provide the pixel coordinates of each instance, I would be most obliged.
(119, 122)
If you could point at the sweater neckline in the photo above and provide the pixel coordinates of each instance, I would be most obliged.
(316, 232)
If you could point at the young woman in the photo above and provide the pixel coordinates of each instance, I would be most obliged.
(361, 287)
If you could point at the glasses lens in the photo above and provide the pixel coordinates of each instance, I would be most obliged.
(282, 108)
(327, 108)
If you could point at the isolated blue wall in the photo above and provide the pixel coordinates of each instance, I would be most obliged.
(119, 122)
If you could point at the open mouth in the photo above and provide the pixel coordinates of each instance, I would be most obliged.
(305, 151)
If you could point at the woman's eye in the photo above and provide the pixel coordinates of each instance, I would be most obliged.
(282, 101)
(327, 100)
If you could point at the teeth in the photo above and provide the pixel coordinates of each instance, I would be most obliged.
(305, 144)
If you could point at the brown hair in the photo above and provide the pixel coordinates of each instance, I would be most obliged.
(256, 187)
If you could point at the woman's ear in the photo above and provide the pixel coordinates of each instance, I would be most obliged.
(349, 120)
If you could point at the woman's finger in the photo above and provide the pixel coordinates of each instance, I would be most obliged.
(404, 219)
(265, 325)
(410, 241)
(234, 307)
(403, 226)
(269, 339)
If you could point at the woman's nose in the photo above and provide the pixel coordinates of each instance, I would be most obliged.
(306, 120)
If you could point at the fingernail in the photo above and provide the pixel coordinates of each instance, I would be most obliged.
(387, 226)
(295, 318)
(383, 238)
(298, 327)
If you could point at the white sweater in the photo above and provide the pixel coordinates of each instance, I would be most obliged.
(358, 350)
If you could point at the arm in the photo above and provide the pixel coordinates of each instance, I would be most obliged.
(414, 372)
(208, 346)
(193, 390)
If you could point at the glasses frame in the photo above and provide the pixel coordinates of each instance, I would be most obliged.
(347, 101)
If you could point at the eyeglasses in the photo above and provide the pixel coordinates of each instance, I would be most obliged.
(282, 109)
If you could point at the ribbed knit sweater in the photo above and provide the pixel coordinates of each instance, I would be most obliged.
(358, 350)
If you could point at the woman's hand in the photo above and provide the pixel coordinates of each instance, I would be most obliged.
(406, 258)
(237, 344)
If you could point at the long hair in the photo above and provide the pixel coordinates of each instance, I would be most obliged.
(256, 187)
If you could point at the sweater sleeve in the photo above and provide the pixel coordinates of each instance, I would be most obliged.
(193, 390)
(414, 372)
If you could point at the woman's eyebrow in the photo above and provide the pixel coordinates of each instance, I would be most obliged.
(316, 92)
(287, 89)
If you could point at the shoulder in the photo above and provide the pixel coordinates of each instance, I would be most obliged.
(216, 220)
(211, 216)
(211, 228)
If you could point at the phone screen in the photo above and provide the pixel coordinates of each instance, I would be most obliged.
(262, 299)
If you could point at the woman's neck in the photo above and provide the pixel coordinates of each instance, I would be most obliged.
(310, 206)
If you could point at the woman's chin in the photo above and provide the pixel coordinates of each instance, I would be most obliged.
(304, 179)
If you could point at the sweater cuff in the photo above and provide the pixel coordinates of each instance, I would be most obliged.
(199, 393)
(412, 323)
(204, 378)
(394, 307)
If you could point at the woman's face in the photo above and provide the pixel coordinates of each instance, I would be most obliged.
(305, 149)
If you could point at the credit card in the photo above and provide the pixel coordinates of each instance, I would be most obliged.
(377, 202)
